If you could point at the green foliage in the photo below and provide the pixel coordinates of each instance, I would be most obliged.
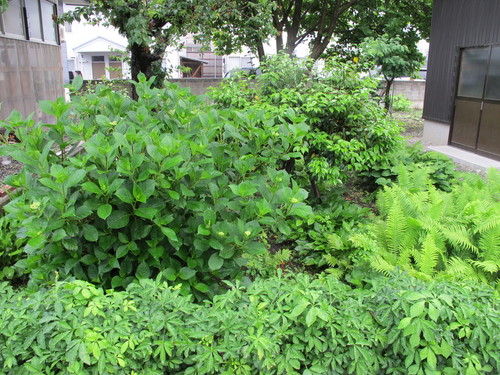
(392, 58)
(160, 187)
(400, 103)
(10, 248)
(405, 159)
(324, 242)
(294, 325)
(431, 233)
(349, 131)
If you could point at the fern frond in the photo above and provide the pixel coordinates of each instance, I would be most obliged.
(487, 265)
(489, 244)
(488, 224)
(379, 264)
(427, 258)
(336, 272)
(458, 237)
(462, 269)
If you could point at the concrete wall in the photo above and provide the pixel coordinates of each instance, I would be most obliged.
(413, 90)
(198, 86)
(29, 72)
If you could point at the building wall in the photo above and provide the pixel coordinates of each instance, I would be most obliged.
(456, 24)
(29, 72)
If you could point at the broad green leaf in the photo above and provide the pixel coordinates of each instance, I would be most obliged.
(169, 233)
(311, 316)
(186, 273)
(433, 312)
(202, 287)
(139, 193)
(118, 219)
(417, 309)
(156, 252)
(215, 262)
(299, 309)
(124, 194)
(75, 177)
(104, 211)
(92, 188)
(143, 271)
(146, 212)
(90, 233)
(431, 359)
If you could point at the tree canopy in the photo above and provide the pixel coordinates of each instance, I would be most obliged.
(151, 26)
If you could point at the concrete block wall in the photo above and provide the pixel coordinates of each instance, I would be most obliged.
(198, 86)
(413, 90)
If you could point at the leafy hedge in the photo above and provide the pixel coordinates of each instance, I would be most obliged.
(283, 325)
(161, 187)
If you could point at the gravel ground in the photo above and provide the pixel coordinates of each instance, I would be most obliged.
(8, 169)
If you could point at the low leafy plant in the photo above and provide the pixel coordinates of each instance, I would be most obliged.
(161, 187)
(431, 233)
(442, 170)
(292, 325)
(401, 103)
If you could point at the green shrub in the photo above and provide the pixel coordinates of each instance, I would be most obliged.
(431, 233)
(401, 103)
(293, 325)
(442, 170)
(161, 187)
(348, 129)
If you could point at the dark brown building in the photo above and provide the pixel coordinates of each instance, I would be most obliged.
(462, 99)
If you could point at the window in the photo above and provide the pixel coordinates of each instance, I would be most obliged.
(31, 20)
(33, 17)
(493, 77)
(13, 19)
(49, 26)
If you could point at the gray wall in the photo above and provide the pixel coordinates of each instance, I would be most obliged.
(455, 24)
(29, 72)
(412, 90)
(198, 86)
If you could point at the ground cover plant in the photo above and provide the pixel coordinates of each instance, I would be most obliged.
(282, 325)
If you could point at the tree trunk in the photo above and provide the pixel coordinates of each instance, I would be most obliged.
(387, 93)
(141, 61)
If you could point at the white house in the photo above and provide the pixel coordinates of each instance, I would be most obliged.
(100, 52)
(95, 51)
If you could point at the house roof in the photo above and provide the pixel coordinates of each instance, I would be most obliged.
(76, 2)
(99, 44)
(193, 59)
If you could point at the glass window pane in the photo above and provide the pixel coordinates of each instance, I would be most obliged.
(49, 26)
(493, 79)
(34, 24)
(13, 20)
(97, 58)
(473, 72)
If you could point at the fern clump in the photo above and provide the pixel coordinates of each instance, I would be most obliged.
(430, 233)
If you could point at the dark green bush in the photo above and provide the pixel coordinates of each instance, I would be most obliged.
(349, 131)
(284, 325)
(161, 187)
(406, 158)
